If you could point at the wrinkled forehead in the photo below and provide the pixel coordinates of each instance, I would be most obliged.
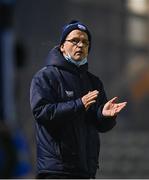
(77, 34)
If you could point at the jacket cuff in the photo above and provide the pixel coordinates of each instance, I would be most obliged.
(80, 105)
(101, 117)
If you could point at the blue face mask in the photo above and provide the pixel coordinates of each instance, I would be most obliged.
(77, 63)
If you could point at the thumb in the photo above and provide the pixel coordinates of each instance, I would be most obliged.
(113, 99)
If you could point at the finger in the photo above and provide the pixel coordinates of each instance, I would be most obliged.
(117, 108)
(113, 99)
(109, 105)
(93, 97)
(122, 105)
(120, 108)
(119, 104)
(90, 103)
(92, 93)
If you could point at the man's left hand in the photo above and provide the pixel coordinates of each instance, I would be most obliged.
(111, 108)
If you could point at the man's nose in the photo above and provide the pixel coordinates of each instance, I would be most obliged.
(80, 44)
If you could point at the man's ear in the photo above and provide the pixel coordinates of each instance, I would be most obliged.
(62, 48)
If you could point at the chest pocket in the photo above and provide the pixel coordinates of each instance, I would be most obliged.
(65, 91)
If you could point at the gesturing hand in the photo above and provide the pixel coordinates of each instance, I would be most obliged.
(90, 98)
(111, 108)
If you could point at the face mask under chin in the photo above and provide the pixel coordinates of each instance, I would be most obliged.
(77, 63)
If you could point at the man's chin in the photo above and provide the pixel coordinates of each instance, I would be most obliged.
(78, 58)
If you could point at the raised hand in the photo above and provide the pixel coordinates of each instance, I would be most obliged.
(90, 98)
(111, 108)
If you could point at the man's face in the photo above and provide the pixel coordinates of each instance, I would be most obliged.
(76, 45)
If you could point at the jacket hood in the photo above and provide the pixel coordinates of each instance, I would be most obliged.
(55, 58)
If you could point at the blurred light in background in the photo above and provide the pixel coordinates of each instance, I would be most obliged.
(138, 6)
(9, 112)
(137, 31)
(138, 38)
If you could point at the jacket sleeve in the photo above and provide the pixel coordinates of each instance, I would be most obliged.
(103, 123)
(45, 105)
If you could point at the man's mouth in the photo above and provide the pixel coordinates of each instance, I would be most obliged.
(79, 52)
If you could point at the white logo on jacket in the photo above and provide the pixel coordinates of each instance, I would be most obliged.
(69, 93)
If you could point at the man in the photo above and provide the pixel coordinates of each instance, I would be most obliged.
(70, 107)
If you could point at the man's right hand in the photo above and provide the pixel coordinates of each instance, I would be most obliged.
(90, 98)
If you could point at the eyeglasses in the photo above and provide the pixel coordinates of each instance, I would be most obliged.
(77, 41)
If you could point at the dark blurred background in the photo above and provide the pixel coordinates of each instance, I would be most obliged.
(119, 56)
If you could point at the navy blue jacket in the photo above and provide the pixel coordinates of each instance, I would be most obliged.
(67, 135)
